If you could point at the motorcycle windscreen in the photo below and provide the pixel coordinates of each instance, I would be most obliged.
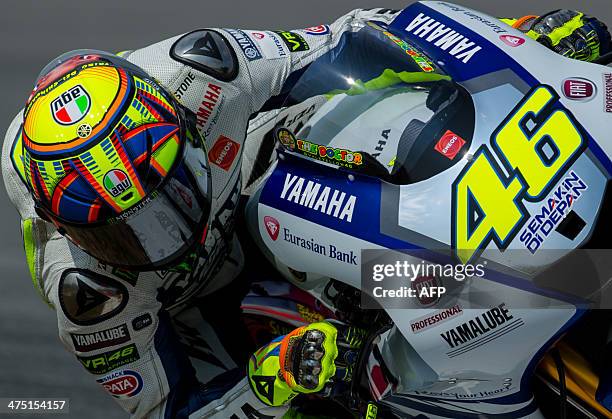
(382, 108)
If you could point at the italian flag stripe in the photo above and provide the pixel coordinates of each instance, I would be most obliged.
(73, 110)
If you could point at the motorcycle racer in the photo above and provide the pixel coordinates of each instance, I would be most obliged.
(128, 217)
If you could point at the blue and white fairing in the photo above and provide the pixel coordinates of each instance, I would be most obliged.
(486, 371)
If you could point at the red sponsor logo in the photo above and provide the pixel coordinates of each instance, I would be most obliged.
(578, 89)
(258, 35)
(513, 41)
(122, 384)
(317, 30)
(211, 97)
(272, 226)
(224, 152)
(449, 145)
(428, 282)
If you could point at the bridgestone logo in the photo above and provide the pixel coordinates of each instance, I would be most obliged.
(101, 339)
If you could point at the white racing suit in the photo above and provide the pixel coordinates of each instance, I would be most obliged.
(154, 340)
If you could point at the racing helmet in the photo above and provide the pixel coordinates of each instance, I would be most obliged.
(115, 162)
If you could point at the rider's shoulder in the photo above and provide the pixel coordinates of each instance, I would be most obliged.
(13, 171)
(182, 61)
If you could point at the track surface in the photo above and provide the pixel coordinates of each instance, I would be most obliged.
(33, 362)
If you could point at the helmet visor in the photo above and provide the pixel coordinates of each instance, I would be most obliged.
(162, 228)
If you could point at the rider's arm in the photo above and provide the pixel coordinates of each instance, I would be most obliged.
(113, 324)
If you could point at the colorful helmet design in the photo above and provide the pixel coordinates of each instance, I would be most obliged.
(114, 161)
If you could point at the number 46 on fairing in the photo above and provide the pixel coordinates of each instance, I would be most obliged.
(536, 144)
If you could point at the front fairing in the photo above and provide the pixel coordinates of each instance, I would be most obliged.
(498, 74)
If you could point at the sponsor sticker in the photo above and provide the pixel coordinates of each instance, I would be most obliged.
(224, 152)
(122, 384)
(286, 138)
(108, 361)
(317, 197)
(209, 102)
(449, 145)
(142, 321)
(116, 182)
(84, 130)
(270, 45)
(182, 89)
(512, 41)
(337, 156)
(608, 93)
(434, 319)
(272, 226)
(552, 211)
(422, 61)
(294, 41)
(247, 46)
(480, 330)
(110, 337)
(578, 89)
(329, 250)
(443, 37)
(71, 106)
(317, 30)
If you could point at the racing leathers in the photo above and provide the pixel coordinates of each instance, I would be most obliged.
(161, 342)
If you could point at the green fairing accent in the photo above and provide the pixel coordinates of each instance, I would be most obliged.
(388, 78)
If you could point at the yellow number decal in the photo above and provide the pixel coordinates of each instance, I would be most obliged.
(524, 150)
(536, 144)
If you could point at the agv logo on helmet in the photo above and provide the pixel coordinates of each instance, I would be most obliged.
(71, 106)
(116, 182)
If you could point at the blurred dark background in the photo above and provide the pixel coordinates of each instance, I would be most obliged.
(33, 362)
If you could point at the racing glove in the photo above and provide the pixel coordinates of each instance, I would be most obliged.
(310, 359)
(567, 32)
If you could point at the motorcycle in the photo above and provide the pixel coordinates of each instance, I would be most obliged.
(440, 139)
